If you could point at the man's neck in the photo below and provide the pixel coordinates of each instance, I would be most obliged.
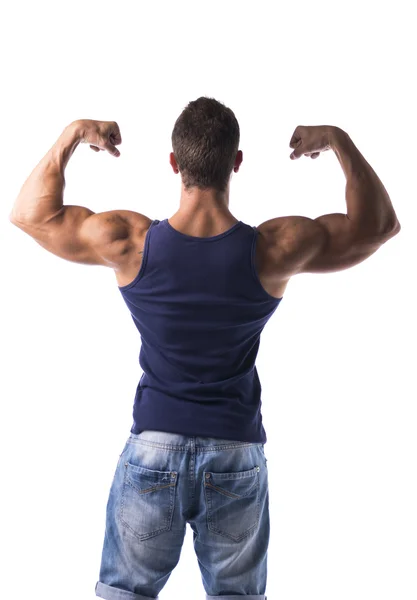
(199, 203)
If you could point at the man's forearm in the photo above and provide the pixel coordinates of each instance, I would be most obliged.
(368, 203)
(42, 194)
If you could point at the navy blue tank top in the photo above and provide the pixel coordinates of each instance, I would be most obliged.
(200, 309)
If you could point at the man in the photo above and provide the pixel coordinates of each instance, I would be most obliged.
(200, 287)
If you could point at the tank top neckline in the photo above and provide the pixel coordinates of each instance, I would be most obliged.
(212, 238)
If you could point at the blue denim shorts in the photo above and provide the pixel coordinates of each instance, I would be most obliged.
(164, 481)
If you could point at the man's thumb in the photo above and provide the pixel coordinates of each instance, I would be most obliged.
(112, 149)
(297, 149)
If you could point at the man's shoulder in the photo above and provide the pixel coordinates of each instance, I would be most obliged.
(126, 222)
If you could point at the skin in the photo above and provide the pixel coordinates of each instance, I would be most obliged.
(285, 247)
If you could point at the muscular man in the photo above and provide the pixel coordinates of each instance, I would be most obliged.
(200, 286)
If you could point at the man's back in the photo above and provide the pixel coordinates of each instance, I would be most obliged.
(200, 309)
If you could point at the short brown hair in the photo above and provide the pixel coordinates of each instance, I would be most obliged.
(205, 141)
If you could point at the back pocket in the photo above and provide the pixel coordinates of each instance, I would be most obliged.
(148, 500)
(232, 501)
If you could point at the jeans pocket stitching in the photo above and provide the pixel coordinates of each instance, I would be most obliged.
(208, 490)
(170, 512)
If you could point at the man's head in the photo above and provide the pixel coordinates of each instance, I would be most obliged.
(205, 140)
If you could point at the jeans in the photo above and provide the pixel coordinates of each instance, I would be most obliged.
(164, 481)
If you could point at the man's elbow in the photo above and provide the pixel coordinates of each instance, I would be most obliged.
(393, 229)
(14, 220)
(397, 228)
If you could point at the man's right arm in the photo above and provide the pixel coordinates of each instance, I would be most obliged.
(334, 242)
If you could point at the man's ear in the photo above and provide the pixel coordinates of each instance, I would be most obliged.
(238, 161)
(173, 163)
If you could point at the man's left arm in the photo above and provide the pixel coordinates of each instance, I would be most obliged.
(74, 233)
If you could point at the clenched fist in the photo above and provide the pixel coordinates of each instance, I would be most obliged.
(101, 135)
(311, 140)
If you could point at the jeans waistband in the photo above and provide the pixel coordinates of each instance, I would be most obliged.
(176, 441)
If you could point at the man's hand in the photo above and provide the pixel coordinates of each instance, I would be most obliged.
(310, 141)
(101, 135)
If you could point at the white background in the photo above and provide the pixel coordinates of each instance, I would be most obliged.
(337, 360)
